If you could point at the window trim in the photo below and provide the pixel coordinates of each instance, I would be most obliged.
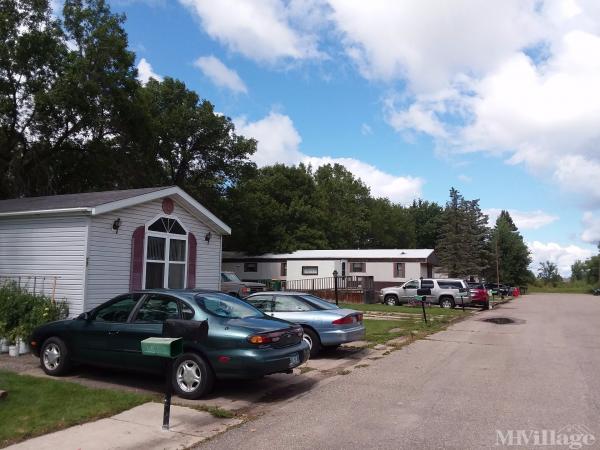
(363, 267)
(283, 269)
(310, 274)
(397, 273)
(167, 237)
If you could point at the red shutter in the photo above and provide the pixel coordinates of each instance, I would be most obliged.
(137, 259)
(191, 270)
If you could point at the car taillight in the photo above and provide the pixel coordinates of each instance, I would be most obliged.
(344, 320)
(274, 336)
(245, 290)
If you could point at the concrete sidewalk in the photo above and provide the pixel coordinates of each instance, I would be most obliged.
(137, 428)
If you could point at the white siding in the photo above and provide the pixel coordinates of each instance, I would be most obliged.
(41, 250)
(265, 270)
(384, 271)
(109, 253)
(326, 268)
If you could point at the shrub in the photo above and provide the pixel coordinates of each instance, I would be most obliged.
(21, 311)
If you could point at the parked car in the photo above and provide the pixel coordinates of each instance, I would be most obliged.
(242, 342)
(232, 285)
(324, 324)
(496, 289)
(447, 292)
(478, 294)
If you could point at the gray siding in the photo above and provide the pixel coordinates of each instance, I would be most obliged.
(109, 253)
(47, 253)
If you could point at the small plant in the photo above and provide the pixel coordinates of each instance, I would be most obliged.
(343, 372)
(306, 369)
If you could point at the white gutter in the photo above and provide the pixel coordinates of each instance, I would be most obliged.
(46, 211)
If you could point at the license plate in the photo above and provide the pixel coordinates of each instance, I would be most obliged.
(294, 360)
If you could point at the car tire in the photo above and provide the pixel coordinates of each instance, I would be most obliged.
(390, 300)
(447, 302)
(313, 341)
(192, 376)
(55, 357)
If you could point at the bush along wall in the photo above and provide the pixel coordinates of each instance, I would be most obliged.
(21, 311)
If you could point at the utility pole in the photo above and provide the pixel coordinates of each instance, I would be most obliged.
(497, 265)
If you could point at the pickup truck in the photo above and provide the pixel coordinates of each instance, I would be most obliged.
(232, 285)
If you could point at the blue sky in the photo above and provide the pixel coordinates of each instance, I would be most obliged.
(499, 100)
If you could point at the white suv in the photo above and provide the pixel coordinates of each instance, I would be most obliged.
(447, 292)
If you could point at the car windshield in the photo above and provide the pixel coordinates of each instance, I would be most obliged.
(318, 302)
(231, 277)
(224, 305)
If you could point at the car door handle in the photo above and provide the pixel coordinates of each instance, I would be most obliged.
(113, 333)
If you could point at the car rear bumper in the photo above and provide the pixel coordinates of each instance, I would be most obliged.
(341, 336)
(254, 363)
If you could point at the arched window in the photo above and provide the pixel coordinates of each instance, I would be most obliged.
(166, 254)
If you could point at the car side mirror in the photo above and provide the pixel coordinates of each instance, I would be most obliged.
(403, 287)
(85, 316)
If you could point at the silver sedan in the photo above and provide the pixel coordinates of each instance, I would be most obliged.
(325, 325)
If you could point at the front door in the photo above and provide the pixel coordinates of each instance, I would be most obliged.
(148, 320)
(91, 338)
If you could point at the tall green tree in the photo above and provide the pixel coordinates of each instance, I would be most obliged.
(508, 253)
(548, 272)
(275, 210)
(427, 218)
(197, 149)
(32, 57)
(391, 225)
(343, 202)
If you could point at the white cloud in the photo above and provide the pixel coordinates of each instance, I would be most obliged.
(262, 30)
(518, 78)
(465, 178)
(562, 256)
(219, 74)
(428, 43)
(591, 228)
(524, 220)
(145, 72)
(279, 142)
(365, 129)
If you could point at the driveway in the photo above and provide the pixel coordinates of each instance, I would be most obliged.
(472, 386)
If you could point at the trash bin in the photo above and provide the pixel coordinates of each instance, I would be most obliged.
(276, 285)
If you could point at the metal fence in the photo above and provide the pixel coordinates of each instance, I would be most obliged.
(36, 284)
(350, 289)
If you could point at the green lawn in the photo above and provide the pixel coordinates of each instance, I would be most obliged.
(36, 406)
(561, 289)
(378, 331)
(378, 307)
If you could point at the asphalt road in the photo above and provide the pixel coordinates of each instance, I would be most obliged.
(464, 388)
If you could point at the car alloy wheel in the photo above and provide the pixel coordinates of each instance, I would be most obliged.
(189, 376)
(390, 300)
(52, 356)
(446, 303)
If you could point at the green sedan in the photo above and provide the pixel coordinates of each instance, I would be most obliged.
(242, 342)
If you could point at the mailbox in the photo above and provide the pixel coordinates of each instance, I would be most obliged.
(163, 347)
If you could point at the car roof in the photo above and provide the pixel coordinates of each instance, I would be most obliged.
(279, 293)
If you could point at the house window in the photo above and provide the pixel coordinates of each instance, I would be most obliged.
(166, 254)
(310, 270)
(250, 267)
(357, 267)
(399, 270)
(283, 270)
